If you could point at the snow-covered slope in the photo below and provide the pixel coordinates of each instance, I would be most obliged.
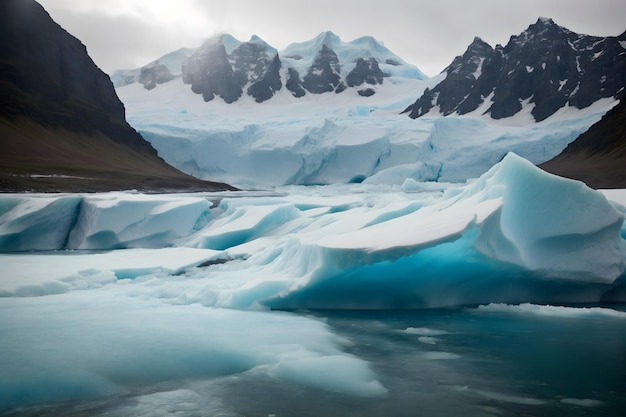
(169, 64)
(301, 56)
(330, 111)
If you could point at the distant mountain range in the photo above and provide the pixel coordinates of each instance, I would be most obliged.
(546, 67)
(228, 68)
(62, 126)
(533, 96)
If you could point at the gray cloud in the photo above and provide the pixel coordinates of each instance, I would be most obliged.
(427, 34)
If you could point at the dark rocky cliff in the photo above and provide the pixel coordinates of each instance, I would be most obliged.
(61, 118)
(546, 66)
(212, 71)
(324, 74)
(598, 156)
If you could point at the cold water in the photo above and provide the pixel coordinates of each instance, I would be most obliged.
(497, 360)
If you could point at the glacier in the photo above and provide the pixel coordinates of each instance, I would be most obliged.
(180, 298)
(337, 132)
(339, 138)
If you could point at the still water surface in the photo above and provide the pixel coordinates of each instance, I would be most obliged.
(445, 362)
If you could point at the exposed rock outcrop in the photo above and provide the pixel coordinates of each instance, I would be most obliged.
(546, 66)
(62, 126)
(214, 71)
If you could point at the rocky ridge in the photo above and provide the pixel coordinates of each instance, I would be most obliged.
(227, 68)
(546, 66)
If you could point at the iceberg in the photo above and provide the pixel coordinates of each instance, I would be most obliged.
(97, 222)
(118, 293)
(516, 234)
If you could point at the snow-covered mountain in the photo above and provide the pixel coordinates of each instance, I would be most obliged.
(545, 68)
(327, 111)
(226, 67)
(162, 70)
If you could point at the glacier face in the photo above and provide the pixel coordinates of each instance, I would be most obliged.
(338, 138)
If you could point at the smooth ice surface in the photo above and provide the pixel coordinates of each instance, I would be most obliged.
(58, 272)
(553, 311)
(97, 343)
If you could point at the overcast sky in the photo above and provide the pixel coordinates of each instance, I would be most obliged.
(121, 34)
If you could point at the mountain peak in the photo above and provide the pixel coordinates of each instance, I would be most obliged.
(329, 38)
(224, 66)
(229, 41)
(546, 66)
(545, 21)
(543, 26)
(478, 47)
(478, 41)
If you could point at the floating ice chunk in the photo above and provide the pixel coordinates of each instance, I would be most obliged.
(429, 340)
(350, 375)
(94, 343)
(582, 402)
(98, 222)
(424, 331)
(36, 222)
(553, 311)
(23, 275)
(517, 234)
(114, 221)
(418, 171)
(406, 234)
(245, 224)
